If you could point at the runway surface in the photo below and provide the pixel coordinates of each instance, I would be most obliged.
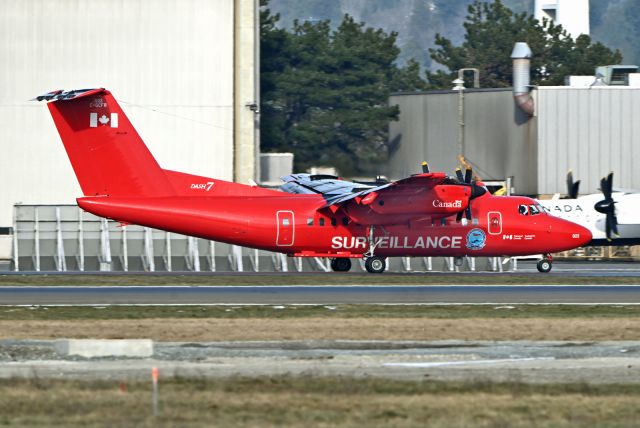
(329, 294)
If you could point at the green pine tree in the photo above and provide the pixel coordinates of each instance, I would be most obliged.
(491, 31)
(325, 92)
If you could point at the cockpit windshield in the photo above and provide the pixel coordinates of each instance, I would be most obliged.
(532, 209)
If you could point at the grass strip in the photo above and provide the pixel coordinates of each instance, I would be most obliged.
(45, 313)
(315, 401)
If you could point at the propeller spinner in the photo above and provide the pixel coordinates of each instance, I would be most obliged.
(607, 206)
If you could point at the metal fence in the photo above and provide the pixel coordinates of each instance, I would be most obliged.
(64, 238)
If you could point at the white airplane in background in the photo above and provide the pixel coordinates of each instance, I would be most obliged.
(614, 220)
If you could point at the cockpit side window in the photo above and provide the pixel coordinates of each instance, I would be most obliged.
(534, 210)
(523, 209)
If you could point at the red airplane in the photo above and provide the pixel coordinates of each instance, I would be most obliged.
(427, 214)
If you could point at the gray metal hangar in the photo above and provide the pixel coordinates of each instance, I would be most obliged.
(592, 130)
(185, 72)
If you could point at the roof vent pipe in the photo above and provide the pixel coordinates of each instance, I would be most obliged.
(521, 57)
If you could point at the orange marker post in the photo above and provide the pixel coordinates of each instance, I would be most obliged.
(154, 379)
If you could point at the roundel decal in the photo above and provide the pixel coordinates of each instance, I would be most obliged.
(476, 239)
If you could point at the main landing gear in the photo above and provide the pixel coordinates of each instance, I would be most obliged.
(341, 264)
(375, 264)
(545, 264)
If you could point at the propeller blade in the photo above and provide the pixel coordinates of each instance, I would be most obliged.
(611, 226)
(425, 167)
(468, 175)
(468, 212)
(459, 217)
(459, 175)
(572, 187)
(477, 191)
(575, 190)
(569, 183)
(606, 184)
(614, 224)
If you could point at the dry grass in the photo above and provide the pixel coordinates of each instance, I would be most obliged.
(318, 402)
(320, 328)
(314, 311)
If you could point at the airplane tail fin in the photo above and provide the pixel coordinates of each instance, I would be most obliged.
(108, 156)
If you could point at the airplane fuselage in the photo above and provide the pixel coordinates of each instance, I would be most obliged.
(295, 225)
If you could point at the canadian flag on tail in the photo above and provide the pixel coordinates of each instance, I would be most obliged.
(103, 120)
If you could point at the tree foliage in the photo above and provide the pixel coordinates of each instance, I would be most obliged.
(491, 31)
(617, 23)
(325, 92)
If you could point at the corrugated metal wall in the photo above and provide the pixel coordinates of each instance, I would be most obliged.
(169, 63)
(591, 130)
(499, 140)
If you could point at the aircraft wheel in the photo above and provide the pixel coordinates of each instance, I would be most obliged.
(544, 266)
(375, 264)
(341, 265)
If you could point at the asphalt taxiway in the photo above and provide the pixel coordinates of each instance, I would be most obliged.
(522, 293)
(329, 294)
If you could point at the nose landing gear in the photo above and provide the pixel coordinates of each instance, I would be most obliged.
(545, 264)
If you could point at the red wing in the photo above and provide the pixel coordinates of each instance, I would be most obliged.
(419, 196)
(338, 192)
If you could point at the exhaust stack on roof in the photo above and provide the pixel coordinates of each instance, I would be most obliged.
(521, 56)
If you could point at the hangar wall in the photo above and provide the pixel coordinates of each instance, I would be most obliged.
(169, 63)
(592, 131)
(499, 140)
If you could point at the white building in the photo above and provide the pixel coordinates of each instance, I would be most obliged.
(184, 71)
(573, 15)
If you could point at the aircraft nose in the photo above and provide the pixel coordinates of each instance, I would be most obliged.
(573, 235)
(582, 235)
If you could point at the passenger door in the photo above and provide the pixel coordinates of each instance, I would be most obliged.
(494, 222)
(285, 225)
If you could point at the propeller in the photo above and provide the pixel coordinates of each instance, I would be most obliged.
(476, 191)
(607, 206)
(572, 187)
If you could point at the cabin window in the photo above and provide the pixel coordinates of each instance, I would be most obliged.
(333, 221)
(345, 221)
(474, 221)
(321, 222)
(285, 222)
(533, 209)
(309, 222)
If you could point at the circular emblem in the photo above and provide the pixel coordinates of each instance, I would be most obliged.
(476, 239)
